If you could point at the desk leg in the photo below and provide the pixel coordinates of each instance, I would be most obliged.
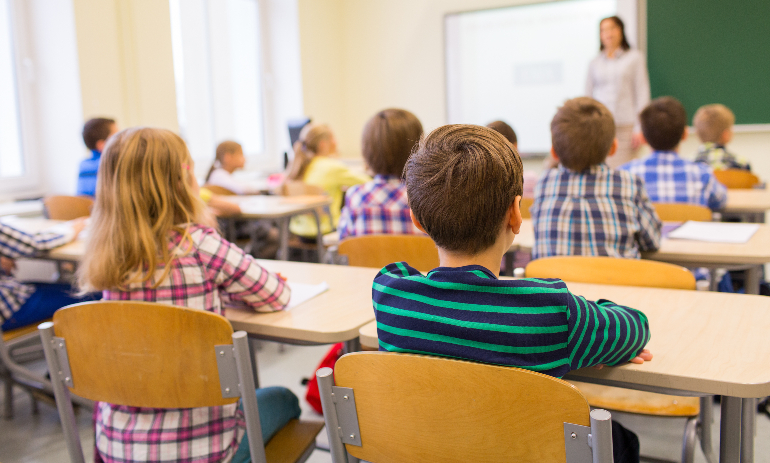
(353, 345)
(253, 347)
(706, 421)
(730, 430)
(319, 237)
(748, 424)
(283, 231)
(752, 280)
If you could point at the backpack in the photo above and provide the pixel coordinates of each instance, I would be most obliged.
(313, 396)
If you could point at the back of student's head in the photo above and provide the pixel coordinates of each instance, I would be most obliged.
(582, 132)
(146, 189)
(461, 181)
(306, 147)
(224, 148)
(663, 123)
(711, 121)
(504, 129)
(96, 129)
(388, 139)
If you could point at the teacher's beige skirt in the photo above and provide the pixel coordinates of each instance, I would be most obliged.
(625, 152)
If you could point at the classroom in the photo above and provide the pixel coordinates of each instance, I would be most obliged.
(266, 240)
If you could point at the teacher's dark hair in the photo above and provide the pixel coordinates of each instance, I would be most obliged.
(618, 22)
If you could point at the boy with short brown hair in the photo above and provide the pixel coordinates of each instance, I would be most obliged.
(714, 125)
(96, 132)
(583, 207)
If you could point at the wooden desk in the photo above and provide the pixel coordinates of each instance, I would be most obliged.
(703, 343)
(279, 209)
(688, 253)
(748, 204)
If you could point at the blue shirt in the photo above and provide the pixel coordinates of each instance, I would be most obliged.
(468, 313)
(670, 179)
(87, 174)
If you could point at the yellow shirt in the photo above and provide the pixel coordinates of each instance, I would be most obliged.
(331, 175)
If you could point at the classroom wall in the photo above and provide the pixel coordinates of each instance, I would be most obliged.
(360, 57)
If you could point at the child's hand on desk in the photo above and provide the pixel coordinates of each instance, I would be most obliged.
(78, 225)
(7, 265)
(644, 356)
(281, 277)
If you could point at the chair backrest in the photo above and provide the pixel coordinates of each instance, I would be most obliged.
(526, 203)
(736, 178)
(419, 251)
(612, 271)
(419, 408)
(679, 212)
(144, 354)
(67, 207)
(300, 188)
(219, 190)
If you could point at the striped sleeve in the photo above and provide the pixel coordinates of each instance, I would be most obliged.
(603, 332)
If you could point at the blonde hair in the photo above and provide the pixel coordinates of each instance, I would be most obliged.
(306, 148)
(711, 121)
(226, 147)
(145, 190)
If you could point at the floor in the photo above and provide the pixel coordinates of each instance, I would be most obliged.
(38, 438)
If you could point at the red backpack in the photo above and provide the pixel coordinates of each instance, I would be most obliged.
(313, 396)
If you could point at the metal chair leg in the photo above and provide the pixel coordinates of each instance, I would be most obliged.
(8, 393)
(688, 441)
(705, 420)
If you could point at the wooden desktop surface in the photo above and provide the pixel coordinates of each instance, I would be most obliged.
(702, 342)
(686, 252)
(273, 207)
(752, 201)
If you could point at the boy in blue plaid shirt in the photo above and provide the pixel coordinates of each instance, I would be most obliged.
(583, 207)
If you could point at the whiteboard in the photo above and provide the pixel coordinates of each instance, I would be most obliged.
(519, 64)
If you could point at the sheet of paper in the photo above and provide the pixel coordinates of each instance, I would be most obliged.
(301, 292)
(715, 232)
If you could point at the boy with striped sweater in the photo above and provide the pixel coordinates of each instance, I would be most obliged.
(464, 185)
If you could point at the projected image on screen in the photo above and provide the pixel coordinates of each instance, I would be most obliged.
(518, 64)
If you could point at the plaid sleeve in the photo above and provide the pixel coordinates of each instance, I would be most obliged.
(345, 227)
(649, 222)
(240, 276)
(715, 192)
(603, 333)
(16, 243)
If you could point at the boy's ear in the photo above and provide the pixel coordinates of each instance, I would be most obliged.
(555, 156)
(613, 148)
(99, 145)
(416, 222)
(685, 133)
(515, 215)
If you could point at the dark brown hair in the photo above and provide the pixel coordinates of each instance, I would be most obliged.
(388, 139)
(663, 123)
(618, 22)
(582, 132)
(226, 147)
(96, 129)
(461, 181)
(505, 129)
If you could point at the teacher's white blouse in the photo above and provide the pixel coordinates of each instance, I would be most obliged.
(621, 83)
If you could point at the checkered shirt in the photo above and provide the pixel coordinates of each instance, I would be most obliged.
(212, 272)
(671, 179)
(718, 157)
(597, 212)
(376, 207)
(15, 243)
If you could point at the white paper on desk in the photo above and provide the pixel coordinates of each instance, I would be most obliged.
(715, 232)
(301, 292)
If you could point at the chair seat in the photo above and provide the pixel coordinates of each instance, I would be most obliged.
(639, 402)
(19, 332)
(292, 441)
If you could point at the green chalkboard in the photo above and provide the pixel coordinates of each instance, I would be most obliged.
(712, 51)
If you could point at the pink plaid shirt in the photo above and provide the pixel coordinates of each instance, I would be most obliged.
(377, 207)
(212, 272)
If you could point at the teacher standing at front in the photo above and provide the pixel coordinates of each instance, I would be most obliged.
(618, 78)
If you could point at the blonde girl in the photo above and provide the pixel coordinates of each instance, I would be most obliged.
(314, 164)
(229, 158)
(147, 244)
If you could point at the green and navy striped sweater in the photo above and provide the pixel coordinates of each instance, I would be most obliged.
(468, 313)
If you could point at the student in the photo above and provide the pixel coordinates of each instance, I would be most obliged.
(314, 164)
(667, 177)
(229, 158)
(714, 125)
(24, 304)
(96, 132)
(583, 207)
(146, 244)
(530, 178)
(380, 206)
(464, 184)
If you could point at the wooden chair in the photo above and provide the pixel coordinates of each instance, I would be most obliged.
(419, 251)
(17, 346)
(219, 190)
(736, 178)
(635, 272)
(399, 407)
(526, 203)
(678, 212)
(152, 355)
(67, 207)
